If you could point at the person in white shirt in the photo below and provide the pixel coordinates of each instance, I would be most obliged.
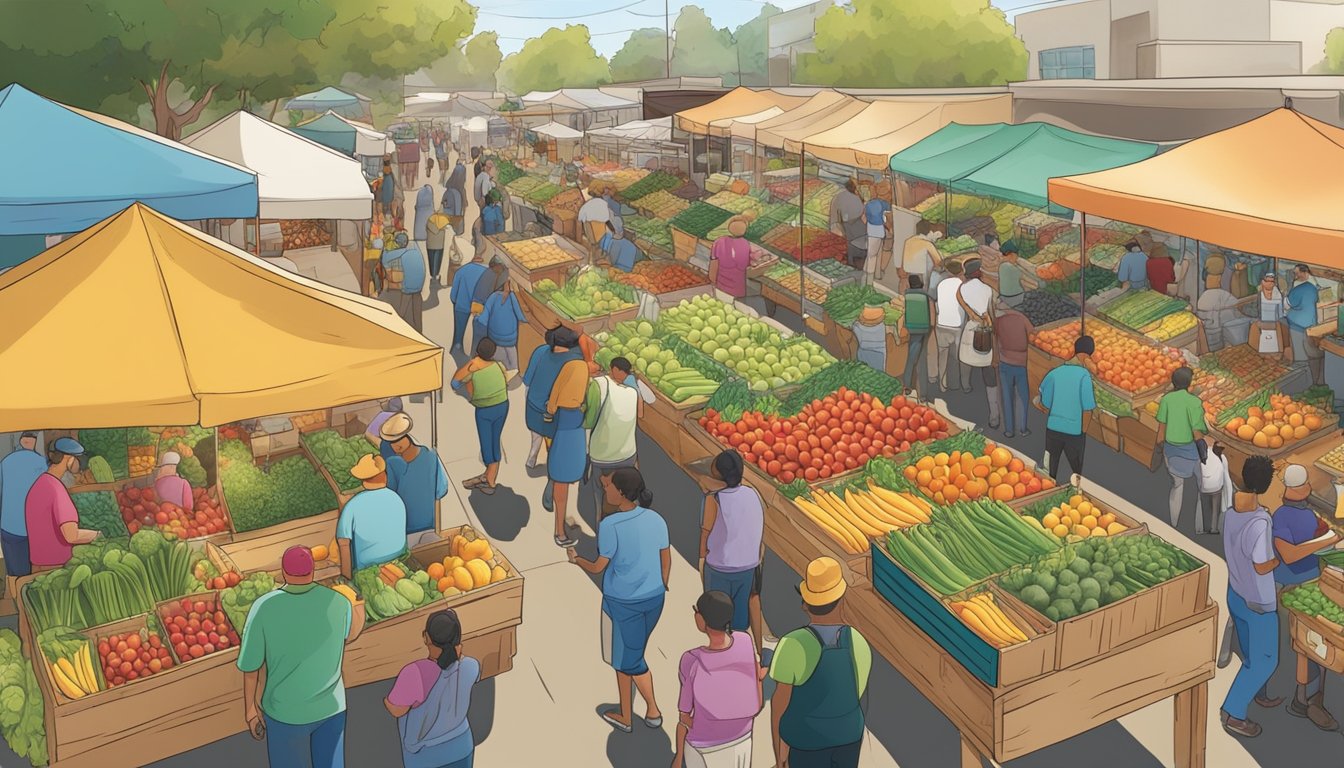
(1215, 488)
(951, 319)
(593, 218)
(619, 400)
(975, 297)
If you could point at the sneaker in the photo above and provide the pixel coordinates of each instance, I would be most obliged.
(1315, 711)
(1007, 435)
(1025, 433)
(1243, 728)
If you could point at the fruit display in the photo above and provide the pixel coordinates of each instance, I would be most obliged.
(1071, 515)
(845, 302)
(565, 205)
(1105, 255)
(735, 203)
(590, 293)
(524, 184)
(394, 588)
(655, 231)
(817, 244)
(141, 508)
(954, 246)
(22, 724)
(986, 619)
(700, 219)
(1094, 280)
(654, 182)
(1120, 360)
(308, 420)
(212, 578)
(1333, 460)
(538, 253)
(288, 489)
(1058, 270)
(662, 277)
(829, 436)
(98, 511)
(141, 460)
(1111, 402)
(303, 233)
(967, 542)
(1309, 599)
(1171, 326)
(1043, 307)
(338, 454)
(1085, 576)
(197, 626)
(679, 377)
(725, 334)
(1273, 420)
(995, 473)
(471, 565)
(622, 178)
(133, 655)
(237, 598)
(1138, 309)
(858, 516)
(661, 205)
(784, 191)
(789, 278)
(70, 662)
(1243, 366)
(543, 193)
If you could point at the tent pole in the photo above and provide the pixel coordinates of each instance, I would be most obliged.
(257, 241)
(1082, 276)
(802, 185)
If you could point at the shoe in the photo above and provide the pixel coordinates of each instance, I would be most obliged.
(566, 542)
(1024, 433)
(1268, 703)
(488, 490)
(993, 425)
(1007, 435)
(474, 481)
(1315, 711)
(1244, 728)
(548, 500)
(967, 391)
(654, 722)
(610, 719)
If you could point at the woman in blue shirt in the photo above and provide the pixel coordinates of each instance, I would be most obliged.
(501, 315)
(492, 217)
(634, 559)
(621, 253)
(431, 697)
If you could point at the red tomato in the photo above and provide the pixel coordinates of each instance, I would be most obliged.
(181, 649)
(196, 651)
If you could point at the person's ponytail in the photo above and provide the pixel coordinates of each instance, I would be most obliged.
(630, 483)
(445, 633)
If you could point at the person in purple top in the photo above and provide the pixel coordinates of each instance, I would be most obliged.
(720, 691)
(730, 258)
(732, 544)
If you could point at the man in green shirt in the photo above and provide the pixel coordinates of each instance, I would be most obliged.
(820, 673)
(1180, 424)
(298, 633)
(1010, 275)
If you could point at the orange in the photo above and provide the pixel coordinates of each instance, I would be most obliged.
(1295, 419)
(923, 478)
(1312, 422)
(926, 463)
(1275, 441)
(444, 583)
(1002, 493)
(1300, 431)
(1019, 490)
(435, 571)
(1001, 457)
(980, 470)
(1270, 429)
(1246, 432)
(1261, 440)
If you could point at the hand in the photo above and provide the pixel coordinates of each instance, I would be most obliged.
(572, 555)
(255, 725)
(548, 418)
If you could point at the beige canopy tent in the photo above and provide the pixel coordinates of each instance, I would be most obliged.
(143, 320)
(738, 102)
(820, 113)
(744, 126)
(883, 128)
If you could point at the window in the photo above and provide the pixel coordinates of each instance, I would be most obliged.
(1074, 63)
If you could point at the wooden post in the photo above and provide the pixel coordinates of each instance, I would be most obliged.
(802, 217)
(970, 756)
(256, 223)
(1191, 726)
(1082, 274)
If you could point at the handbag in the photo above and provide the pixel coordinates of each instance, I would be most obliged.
(982, 338)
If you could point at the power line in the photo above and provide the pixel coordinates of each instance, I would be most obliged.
(590, 34)
(568, 17)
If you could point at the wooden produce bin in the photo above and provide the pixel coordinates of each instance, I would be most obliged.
(664, 421)
(261, 550)
(526, 278)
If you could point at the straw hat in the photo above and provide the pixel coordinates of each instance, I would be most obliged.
(737, 227)
(397, 426)
(872, 316)
(368, 467)
(824, 582)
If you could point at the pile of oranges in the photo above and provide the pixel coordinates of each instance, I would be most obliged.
(1120, 360)
(1286, 420)
(963, 476)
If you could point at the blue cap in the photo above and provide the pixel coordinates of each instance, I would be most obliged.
(69, 446)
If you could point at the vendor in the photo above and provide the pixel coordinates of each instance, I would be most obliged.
(1302, 301)
(49, 512)
(1273, 310)
(1161, 270)
(1010, 275)
(593, 217)
(1132, 269)
(730, 258)
(372, 527)
(1216, 306)
(171, 487)
(389, 407)
(619, 252)
(416, 474)
(870, 331)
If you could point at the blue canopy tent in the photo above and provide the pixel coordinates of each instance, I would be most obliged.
(67, 169)
(334, 99)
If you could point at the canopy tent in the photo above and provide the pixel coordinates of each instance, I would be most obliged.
(820, 113)
(218, 335)
(1270, 186)
(431, 105)
(66, 170)
(659, 129)
(735, 103)
(579, 99)
(334, 99)
(346, 136)
(1013, 162)
(743, 126)
(557, 131)
(870, 137)
(298, 178)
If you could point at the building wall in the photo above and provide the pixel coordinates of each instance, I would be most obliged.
(1086, 23)
(1307, 21)
(1182, 58)
(1211, 20)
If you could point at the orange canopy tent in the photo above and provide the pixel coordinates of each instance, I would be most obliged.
(883, 128)
(820, 113)
(1271, 186)
(739, 102)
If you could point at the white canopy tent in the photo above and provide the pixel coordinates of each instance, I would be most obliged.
(656, 130)
(558, 132)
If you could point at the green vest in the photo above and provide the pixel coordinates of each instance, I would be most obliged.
(918, 316)
(824, 712)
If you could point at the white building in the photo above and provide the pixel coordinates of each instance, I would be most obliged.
(1140, 39)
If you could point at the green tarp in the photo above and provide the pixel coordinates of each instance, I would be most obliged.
(1013, 162)
(331, 131)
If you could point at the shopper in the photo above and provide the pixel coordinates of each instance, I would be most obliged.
(593, 217)
(406, 297)
(296, 636)
(1251, 600)
(870, 336)
(919, 256)
(49, 512)
(729, 259)
(616, 250)
(1010, 275)
(455, 202)
(975, 298)
(848, 220)
(1012, 336)
(615, 404)
(484, 182)
(545, 419)
(371, 529)
(485, 286)
(1180, 428)
(916, 325)
(170, 486)
(387, 188)
(635, 561)
(820, 673)
(501, 316)
(1067, 396)
(437, 231)
(431, 697)
(952, 375)
(18, 472)
(1132, 269)
(461, 294)
(720, 691)
(1161, 270)
(494, 214)
(416, 474)
(1302, 316)
(486, 383)
(732, 544)
(1215, 488)
(877, 215)
(424, 207)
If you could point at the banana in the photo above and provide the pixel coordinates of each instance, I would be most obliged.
(66, 685)
(973, 621)
(987, 622)
(1009, 629)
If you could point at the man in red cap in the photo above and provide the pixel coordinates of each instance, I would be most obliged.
(298, 634)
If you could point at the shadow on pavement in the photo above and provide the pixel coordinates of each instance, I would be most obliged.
(503, 514)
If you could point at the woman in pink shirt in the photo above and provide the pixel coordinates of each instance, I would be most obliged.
(720, 691)
(729, 259)
(53, 521)
(171, 487)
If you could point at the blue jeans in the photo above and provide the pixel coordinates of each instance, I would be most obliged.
(1258, 636)
(15, 549)
(1015, 395)
(320, 744)
(739, 587)
(490, 429)
(460, 321)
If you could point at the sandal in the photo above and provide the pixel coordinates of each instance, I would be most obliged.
(611, 720)
(474, 481)
(566, 541)
(486, 488)
(654, 722)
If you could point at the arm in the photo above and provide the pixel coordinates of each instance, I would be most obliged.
(252, 699)
(73, 534)
(713, 271)
(573, 378)
(1291, 553)
(683, 728)
(347, 569)
(441, 483)
(665, 554)
(460, 379)
(1264, 548)
(711, 514)
(594, 567)
(778, 703)
(394, 710)
(357, 616)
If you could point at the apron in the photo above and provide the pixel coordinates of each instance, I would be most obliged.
(969, 354)
(824, 711)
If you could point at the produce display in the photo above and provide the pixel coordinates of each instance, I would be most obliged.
(1105, 255)
(543, 193)
(655, 231)
(622, 178)
(657, 360)
(471, 565)
(524, 184)
(662, 204)
(967, 542)
(98, 511)
(1120, 360)
(1273, 421)
(565, 205)
(1334, 460)
(833, 270)
(1057, 270)
(22, 713)
(725, 334)
(1110, 402)
(238, 598)
(952, 246)
(140, 508)
(590, 293)
(288, 489)
(338, 454)
(700, 219)
(1230, 376)
(817, 244)
(392, 589)
(112, 445)
(845, 302)
(538, 253)
(1309, 599)
(197, 626)
(1171, 326)
(309, 419)
(735, 203)
(508, 172)
(133, 655)
(1043, 307)
(995, 473)
(1070, 514)
(857, 517)
(1085, 576)
(69, 661)
(1094, 280)
(100, 471)
(662, 277)
(654, 182)
(986, 619)
(141, 460)
(790, 279)
(303, 233)
(1139, 309)
(788, 190)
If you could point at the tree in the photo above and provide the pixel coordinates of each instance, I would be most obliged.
(560, 58)
(914, 43)
(701, 50)
(643, 57)
(469, 67)
(1333, 63)
(752, 43)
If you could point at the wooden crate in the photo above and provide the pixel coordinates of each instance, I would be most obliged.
(1104, 429)
(138, 624)
(1140, 443)
(684, 244)
(798, 540)
(1317, 638)
(526, 278)
(261, 550)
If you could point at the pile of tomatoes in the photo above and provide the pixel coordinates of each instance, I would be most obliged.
(140, 508)
(829, 436)
(132, 656)
(197, 627)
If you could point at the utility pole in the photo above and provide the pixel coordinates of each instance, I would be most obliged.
(667, 31)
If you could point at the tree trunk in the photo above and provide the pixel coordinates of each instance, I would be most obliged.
(168, 122)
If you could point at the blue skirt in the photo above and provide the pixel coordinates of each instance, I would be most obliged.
(630, 624)
(1182, 460)
(568, 454)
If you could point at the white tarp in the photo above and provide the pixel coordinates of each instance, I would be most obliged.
(368, 140)
(557, 131)
(296, 178)
(659, 129)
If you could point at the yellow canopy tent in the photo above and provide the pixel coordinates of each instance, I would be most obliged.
(738, 102)
(883, 128)
(143, 320)
(821, 113)
(1270, 186)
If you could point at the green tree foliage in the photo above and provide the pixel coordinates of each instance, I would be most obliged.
(752, 44)
(914, 43)
(643, 57)
(701, 50)
(560, 58)
(1333, 64)
(469, 67)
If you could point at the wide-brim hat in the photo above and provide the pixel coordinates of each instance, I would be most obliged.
(824, 582)
(368, 467)
(397, 426)
(737, 227)
(872, 316)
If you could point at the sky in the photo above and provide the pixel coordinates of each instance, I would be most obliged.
(611, 21)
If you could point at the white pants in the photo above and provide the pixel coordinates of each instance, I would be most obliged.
(734, 754)
(873, 264)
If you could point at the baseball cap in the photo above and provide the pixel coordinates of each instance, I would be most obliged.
(170, 459)
(69, 446)
(1295, 476)
(297, 561)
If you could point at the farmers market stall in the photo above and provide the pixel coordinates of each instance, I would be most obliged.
(349, 137)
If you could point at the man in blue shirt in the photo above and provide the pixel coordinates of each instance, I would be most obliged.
(1132, 271)
(1068, 398)
(415, 473)
(461, 295)
(501, 315)
(1302, 300)
(621, 253)
(875, 214)
(18, 471)
(411, 263)
(372, 527)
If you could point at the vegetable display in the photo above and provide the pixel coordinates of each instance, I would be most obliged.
(1274, 421)
(289, 489)
(1043, 307)
(700, 219)
(471, 565)
(1069, 514)
(338, 454)
(1138, 309)
(237, 600)
(833, 270)
(653, 230)
(659, 362)
(22, 713)
(133, 655)
(197, 626)
(954, 246)
(69, 660)
(98, 511)
(1309, 599)
(859, 515)
(986, 619)
(1120, 360)
(392, 589)
(1094, 280)
(725, 334)
(993, 474)
(735, 203)
(1334, 459)
(538, 253)
(817, 244)
(845, 302)
(967, 542)
(140, 508)
(788, 278)
(661, 205)
(543, 192)
(654, 182)
(662, 277)
(788, 190)
(591, 293)
(1171, 326)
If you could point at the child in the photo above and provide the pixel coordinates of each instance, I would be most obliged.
(1215, 488)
